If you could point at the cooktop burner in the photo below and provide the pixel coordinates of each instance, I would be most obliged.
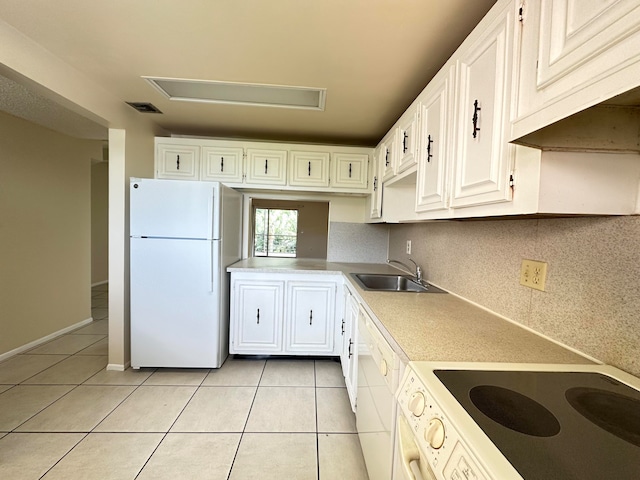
(554, 425)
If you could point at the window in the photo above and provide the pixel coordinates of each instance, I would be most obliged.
(275, 232)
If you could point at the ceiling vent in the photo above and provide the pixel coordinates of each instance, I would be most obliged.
(144, 107)
(232, 93)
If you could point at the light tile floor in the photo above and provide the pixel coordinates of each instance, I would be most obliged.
(63, 416)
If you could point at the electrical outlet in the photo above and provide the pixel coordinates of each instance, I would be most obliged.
(533, 274)
(408, 247)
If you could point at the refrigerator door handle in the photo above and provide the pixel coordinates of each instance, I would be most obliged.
(215, 264)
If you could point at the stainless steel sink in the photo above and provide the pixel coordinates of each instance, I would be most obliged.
(392, 283)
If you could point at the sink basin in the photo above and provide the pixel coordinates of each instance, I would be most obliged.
(392, 283)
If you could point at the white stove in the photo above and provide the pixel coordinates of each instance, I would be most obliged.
(492, 421)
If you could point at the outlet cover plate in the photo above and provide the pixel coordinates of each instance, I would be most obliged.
(533, 274)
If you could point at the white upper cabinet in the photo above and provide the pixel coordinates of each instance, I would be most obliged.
(350, 171)
(309, 169)
(275, 166)
(483, 157)
(574, 54)
(374, 204)
(407, 140)
(266, 167)
(389, 155)
(223, 164)
(433, 144)
(180, 162)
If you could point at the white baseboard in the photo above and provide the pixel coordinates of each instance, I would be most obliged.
(99, 283)
(42, 340)
(118, 367)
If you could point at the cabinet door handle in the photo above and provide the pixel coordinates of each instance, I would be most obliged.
(309, 168)
(221, 164)
(349, 170)
(386, 158)
(266, 165)
(258, 317)
(350, 352)
(429, 142)
(375, 183)
(342, 327)
(177, 162)
(476, 109)
(405, 137)
(310, 317)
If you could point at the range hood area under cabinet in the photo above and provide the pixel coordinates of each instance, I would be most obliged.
(466, 166)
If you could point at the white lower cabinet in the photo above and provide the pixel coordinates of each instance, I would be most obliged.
(310, 316)
(349, 354)
(256, 316)
(292, 314)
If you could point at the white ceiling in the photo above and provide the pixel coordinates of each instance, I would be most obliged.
(373, 57)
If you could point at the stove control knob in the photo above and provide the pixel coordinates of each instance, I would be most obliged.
(417, 403)
(434, 433)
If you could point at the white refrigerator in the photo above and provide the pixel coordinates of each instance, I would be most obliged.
(183, 236)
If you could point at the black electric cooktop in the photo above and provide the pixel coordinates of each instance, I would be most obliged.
(554, 425)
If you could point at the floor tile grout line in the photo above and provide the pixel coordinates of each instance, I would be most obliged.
(44, 408)
(315, 398)
(246, 422)
(152, 453)
(67, 453)
(93, 430)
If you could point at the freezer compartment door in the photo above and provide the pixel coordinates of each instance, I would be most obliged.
(175, 303)
(174, 209)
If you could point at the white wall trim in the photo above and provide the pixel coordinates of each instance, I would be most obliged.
(118, 367)
(99, 283)
(42, 340)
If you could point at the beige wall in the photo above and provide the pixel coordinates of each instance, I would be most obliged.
(591, 301)
(45, 231)
(99, 222)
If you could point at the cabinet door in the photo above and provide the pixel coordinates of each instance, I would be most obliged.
(266, 167)
(180, 162)
(256, 316)
(432, 155)
(309, 169)
(375, 199)
(223, 164)
(483, 158)
(407, 140)
(389, 157)
(574, 54)
(349, 356)
(310, 317)
(350, 170)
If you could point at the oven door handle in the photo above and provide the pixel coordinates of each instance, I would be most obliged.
(409, 451)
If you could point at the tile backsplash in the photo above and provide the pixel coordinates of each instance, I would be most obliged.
(592, 297)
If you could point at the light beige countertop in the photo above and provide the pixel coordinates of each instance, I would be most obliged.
(430, 326)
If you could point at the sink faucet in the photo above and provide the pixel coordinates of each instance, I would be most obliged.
(418, 273)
